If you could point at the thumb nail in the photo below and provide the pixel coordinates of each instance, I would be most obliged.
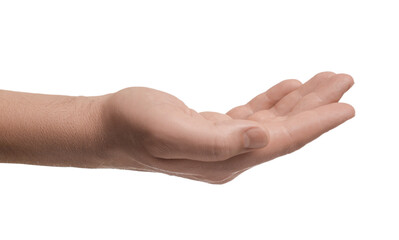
(255, 138)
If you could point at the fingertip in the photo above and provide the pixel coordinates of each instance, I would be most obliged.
(344, 111)
(296, 82)
(346, 79)
(255, 138)
(293, 83)
(323, 75)
(350, 109)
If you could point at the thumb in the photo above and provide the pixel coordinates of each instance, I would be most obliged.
(204, 140)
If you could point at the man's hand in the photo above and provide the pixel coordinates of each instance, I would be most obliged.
(145, 129)
(150, 130)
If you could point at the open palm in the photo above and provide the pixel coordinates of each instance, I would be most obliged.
(293, 115)
(181, 141)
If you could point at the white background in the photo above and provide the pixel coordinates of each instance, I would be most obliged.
(213, 55)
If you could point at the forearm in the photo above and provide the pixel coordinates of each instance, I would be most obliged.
(51, 130)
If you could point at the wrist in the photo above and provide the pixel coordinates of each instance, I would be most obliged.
(122, 145)
(90, 131)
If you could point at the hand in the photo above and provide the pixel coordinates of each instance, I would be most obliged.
(150, 130)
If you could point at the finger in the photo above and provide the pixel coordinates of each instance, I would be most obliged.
(287, 103)
(330, 92)
(264, 116)
(215, 116)
(309, 125)
(265, 100)
(240, 112)
(203, 140)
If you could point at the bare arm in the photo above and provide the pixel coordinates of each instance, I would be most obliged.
(50, 129)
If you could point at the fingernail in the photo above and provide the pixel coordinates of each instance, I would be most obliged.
(255, 138)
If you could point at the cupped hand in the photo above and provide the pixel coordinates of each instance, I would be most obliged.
(150, 130)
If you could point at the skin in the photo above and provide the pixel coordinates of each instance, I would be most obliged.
(148, 130)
